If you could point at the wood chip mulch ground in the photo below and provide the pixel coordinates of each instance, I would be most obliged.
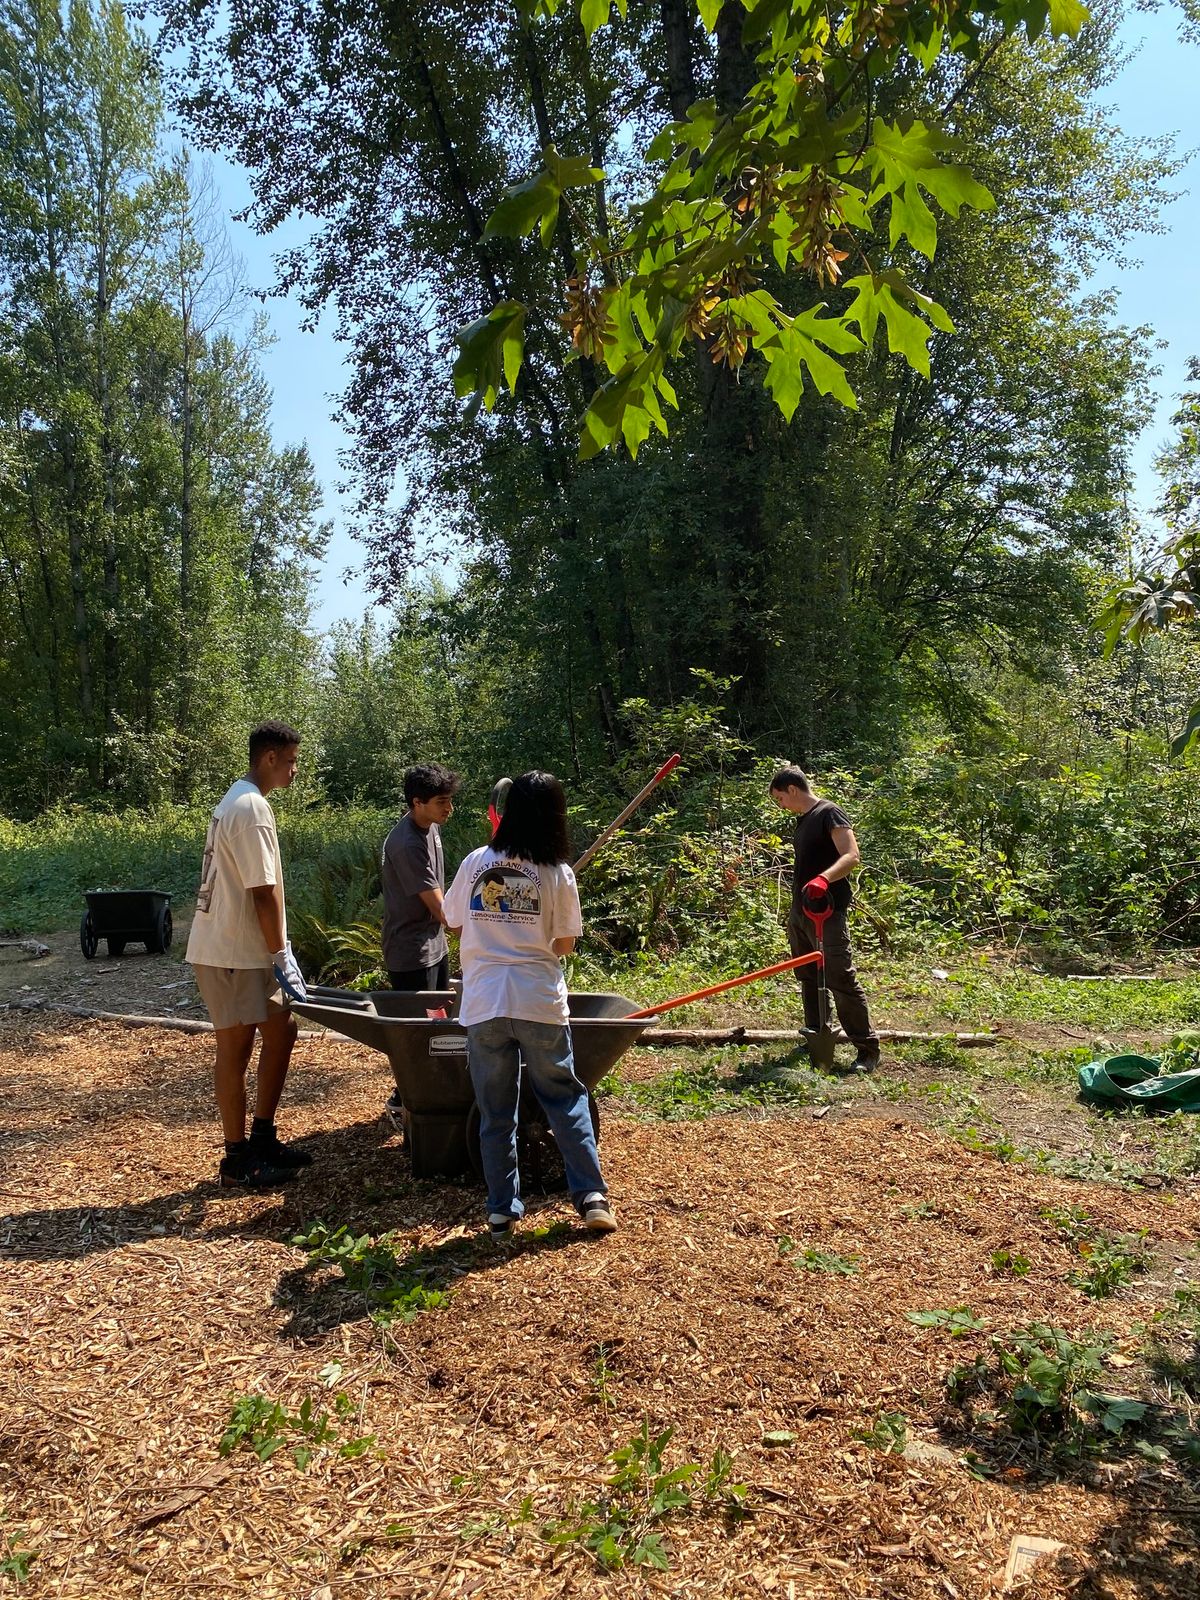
(137, 1303)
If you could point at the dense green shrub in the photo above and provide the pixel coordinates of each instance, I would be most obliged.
(1000, 848)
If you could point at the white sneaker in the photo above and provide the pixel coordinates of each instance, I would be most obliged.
(598, 1215)
(500, 1225)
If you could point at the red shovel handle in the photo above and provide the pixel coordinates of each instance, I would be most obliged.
(817, 906)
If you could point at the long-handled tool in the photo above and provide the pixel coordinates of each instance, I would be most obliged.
(501, 787)
(813, 958)
(818, 908)
(667, 767)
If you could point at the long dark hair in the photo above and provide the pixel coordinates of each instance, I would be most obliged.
(534, 824)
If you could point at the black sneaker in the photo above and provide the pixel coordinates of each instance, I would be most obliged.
(253, 1171)
(270, 1148)
(866, 1061)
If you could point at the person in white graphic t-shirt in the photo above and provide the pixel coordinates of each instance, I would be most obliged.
(244, 965)
(517, 908)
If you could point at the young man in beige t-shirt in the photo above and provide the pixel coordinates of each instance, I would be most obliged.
(242, 959)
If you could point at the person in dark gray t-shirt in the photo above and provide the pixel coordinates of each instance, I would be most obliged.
(415, 951)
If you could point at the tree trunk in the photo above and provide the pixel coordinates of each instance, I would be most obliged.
(678, 23)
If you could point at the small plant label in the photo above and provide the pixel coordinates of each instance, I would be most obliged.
(1023, 1552)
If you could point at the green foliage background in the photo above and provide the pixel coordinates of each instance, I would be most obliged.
(899, 596)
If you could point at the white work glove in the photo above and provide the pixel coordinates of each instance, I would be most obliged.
(288, 974)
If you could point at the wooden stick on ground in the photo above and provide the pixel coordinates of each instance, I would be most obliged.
(34, 946)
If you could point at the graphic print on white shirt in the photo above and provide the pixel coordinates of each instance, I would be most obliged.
(507, 894)
(511, 911)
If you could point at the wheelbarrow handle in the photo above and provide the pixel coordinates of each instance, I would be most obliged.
(813, 959)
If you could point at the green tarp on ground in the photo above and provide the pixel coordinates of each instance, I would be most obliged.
(1136, 1081)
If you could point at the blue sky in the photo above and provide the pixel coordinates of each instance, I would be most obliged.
(1155, 94)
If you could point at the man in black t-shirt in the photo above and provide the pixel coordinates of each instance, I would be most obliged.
(826, 855)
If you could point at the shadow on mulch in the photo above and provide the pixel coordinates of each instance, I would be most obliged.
(316, 1312)
(1160, 1564)
(359, 1179)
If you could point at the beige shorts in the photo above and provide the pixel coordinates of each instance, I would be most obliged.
(240, 997)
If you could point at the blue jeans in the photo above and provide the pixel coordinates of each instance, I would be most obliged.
(497, 1052)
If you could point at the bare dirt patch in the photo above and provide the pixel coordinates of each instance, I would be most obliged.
(134, 982)
(136, 1303)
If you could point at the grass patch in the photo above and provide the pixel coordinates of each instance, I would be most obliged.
(47, 865)
(728, 1081)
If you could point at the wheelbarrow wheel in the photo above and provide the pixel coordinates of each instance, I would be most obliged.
(161, 941)
(116, 947)
(538, 1158)
(88, 940)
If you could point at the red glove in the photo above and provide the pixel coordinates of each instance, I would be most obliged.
(817, 887)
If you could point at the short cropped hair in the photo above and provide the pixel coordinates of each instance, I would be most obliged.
(272, 736)
(428, 781)
(791, 777)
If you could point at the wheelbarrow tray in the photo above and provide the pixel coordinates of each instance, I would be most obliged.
(428, 1055)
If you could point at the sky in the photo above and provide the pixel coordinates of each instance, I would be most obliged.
(1156, 93)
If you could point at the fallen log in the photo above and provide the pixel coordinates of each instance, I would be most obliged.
(35, 947)
(654, 1036)
(684, 1036)
(173, 1024)
(1118, 977)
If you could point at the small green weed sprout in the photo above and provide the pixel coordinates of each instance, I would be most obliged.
(394, 1290)
(1067, 1219)
(16, 1557)
(1112, 1261)
(1182, 1053)
(957, 1320)
(602, 1377)
(920, 1211)
(996, 1145)
(1010, 1264)
(262, 1425)
(810, 1259)
(1045, 1387)
(622, 1526)
(888, 1432)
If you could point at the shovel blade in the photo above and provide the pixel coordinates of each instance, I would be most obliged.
(820, 1043)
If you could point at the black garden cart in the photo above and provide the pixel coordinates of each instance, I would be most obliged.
(126, 916)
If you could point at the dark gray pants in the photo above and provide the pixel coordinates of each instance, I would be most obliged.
(840, 977)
